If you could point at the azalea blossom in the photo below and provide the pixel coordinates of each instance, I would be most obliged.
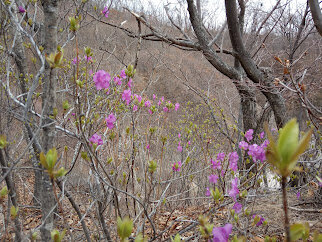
(179, 135)
(110, 120)
(208, 192)
(105, 12)
(21, 9)
(176, 106)
(147, 146)
(261, 220)
(87, 58)
(237, 207)
(216, 164)
(298, 195)
(96, 139)
(213, 178)
(221, 234)
(249, 135)
(122, 74)
(135, 108)
(117, 81)
(165, 109)
(257, 152)
(243, 145)
(126, 96)
(177, 166)
(179, 148)
(154, 96)
(129, 83)
(262, 135)
(147, 103)
(101, 79)
(75, 61)
(233, 158)
(221, 156)
(234, 191)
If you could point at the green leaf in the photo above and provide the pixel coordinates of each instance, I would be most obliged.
(51, 158)
(288, 141)
(124, 227)
(140, 238)
(299, 231)
(14, 212)
(3, 141)
(3, 192)
(176, 238)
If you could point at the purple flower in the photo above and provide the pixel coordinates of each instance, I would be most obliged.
(243, 145)
(257, 152)
(135, 108)
(216, 164)
(162, 99)
(213, 179)
(237, 207)
(208, 192)
(298, 195)
(189, 143)
(96, 139)
(176, 106)
(179, 148)
(88, 58)
(265, 144)
(234, 191)
(105, 12)
(165, 109)
(122, 74)
(261, 220)
(126, 96)
(154, 96)
(102, 80)
(73, 114)
(221, 156)
(262, 135)
(21, 9)
(75, 61)
(177, 166)
(221, 234)
(129, 83)
(117, 81)
(249, 135)
(179, 135)
(147, 104)
(148, 147)
(110, 120)
(233, 158)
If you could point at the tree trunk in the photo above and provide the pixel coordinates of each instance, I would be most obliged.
(48, 202)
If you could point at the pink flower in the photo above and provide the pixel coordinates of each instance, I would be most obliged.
(233, 158)
(96, 139)
(135, 108)
(102, 80)
(189, 143)
(176, 106)
(243, 145)
(162, 99)
(105, 12)
(88, 58)
(159, 103)
(90, 72)
(21, 9)
(221, 156)
(147, 104)
(148, 147)
(165, 109)
(221, 234)
(154, 96)
(262, 135)
(234, 191)
(150, 111)
(298, 195)
(216, 164)
(75, 61)
(73, 114)
(179, 148)
(126, 96)
(179, 135)
(249, 135)
(122, 74)
(208, 192)
(257, 152)
(117, 81)
(177, 166)
(213, 179)
(237, 207)
(261, 220)
(110, 120)
(129, 83)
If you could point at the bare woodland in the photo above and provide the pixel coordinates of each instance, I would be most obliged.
(125, 122)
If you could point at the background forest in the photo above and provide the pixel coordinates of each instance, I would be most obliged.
(186, 120)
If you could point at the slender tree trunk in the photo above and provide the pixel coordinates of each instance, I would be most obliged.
(50, 8)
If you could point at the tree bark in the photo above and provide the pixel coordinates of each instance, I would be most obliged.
(316, 14)
(50, 8)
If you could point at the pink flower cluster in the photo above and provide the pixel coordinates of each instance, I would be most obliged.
(102, 80)
(110, 120)
(96, 139)
(177, 166)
